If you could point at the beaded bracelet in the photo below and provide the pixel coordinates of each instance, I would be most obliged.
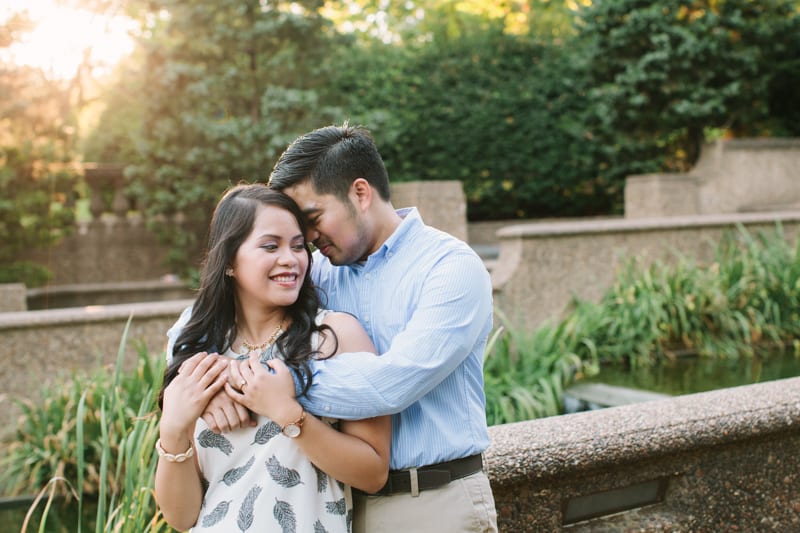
(172, 458)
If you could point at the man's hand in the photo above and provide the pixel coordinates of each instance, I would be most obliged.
(268, 392)
(223, 414)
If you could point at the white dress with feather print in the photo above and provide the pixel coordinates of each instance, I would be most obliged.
(260, 481)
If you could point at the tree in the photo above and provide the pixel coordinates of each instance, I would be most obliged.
(663, 73)
(37, 174)
(229, 84)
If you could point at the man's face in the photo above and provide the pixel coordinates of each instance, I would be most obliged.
(335, 227)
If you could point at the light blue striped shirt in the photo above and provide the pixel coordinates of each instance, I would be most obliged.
(425, 299)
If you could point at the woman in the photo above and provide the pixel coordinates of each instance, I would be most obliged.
(256, 302)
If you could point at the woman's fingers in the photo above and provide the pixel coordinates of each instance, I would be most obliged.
(235, 377)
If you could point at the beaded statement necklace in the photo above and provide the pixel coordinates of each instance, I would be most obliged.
(265, 348)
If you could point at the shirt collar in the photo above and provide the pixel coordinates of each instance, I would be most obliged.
(411, 220)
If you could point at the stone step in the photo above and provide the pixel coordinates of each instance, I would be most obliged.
(589, 396)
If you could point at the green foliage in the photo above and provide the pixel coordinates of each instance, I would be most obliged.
(502, 114)
(742, 304)
(45, 443)
(745, 300)
(36, 152)
(95, 433)
(664, 72)
(525, 372)
(228, 85)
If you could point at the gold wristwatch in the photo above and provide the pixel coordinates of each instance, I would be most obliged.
(293, 429)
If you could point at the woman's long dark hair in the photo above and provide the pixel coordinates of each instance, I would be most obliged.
(212, 326)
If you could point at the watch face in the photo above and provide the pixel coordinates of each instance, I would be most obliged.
(292, 430)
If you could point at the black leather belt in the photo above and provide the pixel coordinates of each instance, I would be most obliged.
(431, 476)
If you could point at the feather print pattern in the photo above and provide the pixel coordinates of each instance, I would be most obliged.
(217, 514)
(235, 474)
(209, 439)
(322, 479)
(283, 476)
(285, 516)
(266, 432)
(245, 518)
(339, 507)
(247, 471)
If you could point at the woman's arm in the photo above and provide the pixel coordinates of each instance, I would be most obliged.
(358, 455)
(178, 487)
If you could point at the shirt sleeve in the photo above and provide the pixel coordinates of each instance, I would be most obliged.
(174, 332)
(452, 315)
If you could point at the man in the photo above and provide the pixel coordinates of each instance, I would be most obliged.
(425, 299)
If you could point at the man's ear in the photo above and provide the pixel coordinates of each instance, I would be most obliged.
(361, 194)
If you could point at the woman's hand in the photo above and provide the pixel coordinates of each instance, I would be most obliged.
(199, 378)
(268, 393)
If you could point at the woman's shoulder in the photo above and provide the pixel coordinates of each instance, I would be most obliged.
(350, 335)
(336, 319)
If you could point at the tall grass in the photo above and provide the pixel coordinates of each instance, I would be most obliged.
(92, 442)
(746, 301)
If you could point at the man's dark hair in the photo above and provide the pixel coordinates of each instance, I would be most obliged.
(332, 158)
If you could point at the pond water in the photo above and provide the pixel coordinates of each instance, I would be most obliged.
(62, 517)
(687, 375)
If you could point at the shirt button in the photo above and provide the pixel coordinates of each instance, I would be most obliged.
(368, 275)
(366, 318)
(327, 408)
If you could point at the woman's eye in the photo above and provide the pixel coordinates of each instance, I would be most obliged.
(270, 247)
(299, 247)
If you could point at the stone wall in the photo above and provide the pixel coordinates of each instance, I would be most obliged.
(42, 346)
(441, 203)
(12, 297)
(732, 176)
(542, 266)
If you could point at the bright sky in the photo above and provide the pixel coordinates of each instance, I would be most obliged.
(62, 34)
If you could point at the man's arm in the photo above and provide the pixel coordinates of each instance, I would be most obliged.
(174, 332)
(451, 316)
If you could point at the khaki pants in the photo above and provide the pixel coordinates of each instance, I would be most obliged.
(462, 505)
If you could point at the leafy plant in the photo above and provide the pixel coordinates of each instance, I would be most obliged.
(742, 304)
(93, 441)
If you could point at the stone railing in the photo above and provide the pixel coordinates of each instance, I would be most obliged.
(724, 460)
(715, 461)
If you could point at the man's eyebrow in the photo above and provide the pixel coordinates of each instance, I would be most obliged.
(310, 210)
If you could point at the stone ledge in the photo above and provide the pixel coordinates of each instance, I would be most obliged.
(620, 225)
(565, 446)
(91, 314)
